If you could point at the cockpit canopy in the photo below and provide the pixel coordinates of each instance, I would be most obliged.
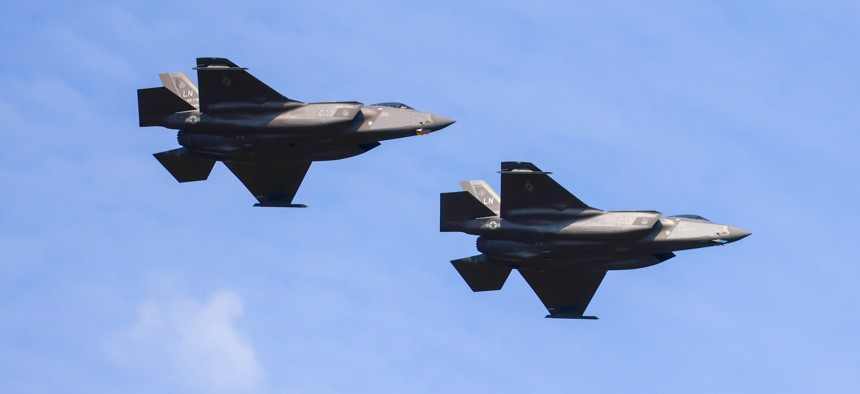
(392, 104)
(696, 217)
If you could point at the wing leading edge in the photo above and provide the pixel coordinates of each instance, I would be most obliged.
(273, 184)
(565, 294)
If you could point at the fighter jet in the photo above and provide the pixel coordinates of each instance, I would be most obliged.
(561, 246)
(266, 139)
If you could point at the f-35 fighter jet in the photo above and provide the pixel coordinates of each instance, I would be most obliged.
(560, 245)
(267, 140)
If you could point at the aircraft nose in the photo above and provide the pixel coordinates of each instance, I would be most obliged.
(737, 233)
(441, 122)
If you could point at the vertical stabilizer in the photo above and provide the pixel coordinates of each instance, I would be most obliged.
(182, 86)
(222, 82)
(526, 187)
(484, 193)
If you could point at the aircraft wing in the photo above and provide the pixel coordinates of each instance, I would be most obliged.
(565, 294)
(524, 187)
(274, 184)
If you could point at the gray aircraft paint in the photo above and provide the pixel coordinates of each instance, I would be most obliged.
(266, 139)
(484, 193)
(182, 86)
(560, 245)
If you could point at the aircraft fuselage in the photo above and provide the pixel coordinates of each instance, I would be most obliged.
(300, 132)
(594, 239)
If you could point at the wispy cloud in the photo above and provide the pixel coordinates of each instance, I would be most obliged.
(745, 113)
(196, 344)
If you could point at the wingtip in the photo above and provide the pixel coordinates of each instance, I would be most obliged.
(279, 205)
(570, 316)
(567, 313)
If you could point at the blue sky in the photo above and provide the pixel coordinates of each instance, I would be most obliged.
(114, 278)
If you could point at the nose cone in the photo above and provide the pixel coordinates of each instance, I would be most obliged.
(737, 233)
(440, 122)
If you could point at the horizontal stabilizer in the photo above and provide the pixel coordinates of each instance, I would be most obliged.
(565, 294)
(185, 165)
(458, 207)
(480, 273)
(154, 103)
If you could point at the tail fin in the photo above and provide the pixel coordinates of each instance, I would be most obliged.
(153, 103)
(484, 193)
(459, 207)
(182, 86)
(481, 273)
(223, 82)
(527, 187)
(184, 165)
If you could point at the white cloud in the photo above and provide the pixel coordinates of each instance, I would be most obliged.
(192, 344)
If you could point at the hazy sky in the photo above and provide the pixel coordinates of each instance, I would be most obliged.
(116, 279)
